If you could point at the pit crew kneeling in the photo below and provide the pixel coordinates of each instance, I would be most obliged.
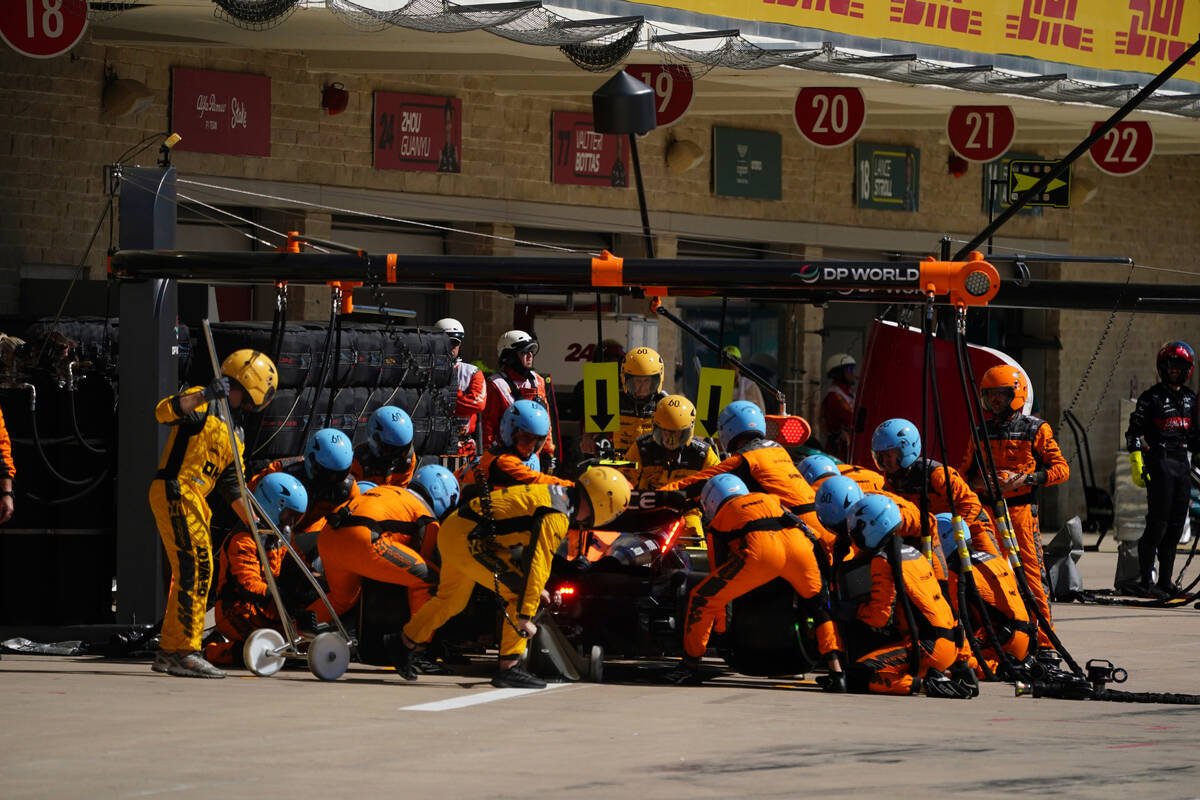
(478, 544)
(763, 542)
(904, 595)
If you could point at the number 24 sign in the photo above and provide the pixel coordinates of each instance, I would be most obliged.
(830, 117)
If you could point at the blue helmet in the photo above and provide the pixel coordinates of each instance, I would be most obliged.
(817, 466)
(740, 416)
(390, 428)
(527, 416)
(328, 455)
(718, 489)
(279, 491)
(365, 486)
(872, 519)
(438, 486)
(945, 532)
(897, 434)
(834, 496)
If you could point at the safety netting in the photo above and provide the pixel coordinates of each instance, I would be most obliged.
(98, 12)
(701, 52)
(255, 15)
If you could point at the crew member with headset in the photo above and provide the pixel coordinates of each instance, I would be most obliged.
(199, 457)
(470, 383)
(641, 388)
(324, 469)
(1162, 429)
(514, 380)
(478, 544)
(1027, 458)
(513, 459)
(386, 457)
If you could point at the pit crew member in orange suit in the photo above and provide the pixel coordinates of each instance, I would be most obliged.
(476, 545)
(515, 380)
(997, 586)
(763, 465)
(381, 535)
(324, 469)
(763, 542)
(513, 459)
(896, 448)
(243, 599)
(472, 387)
(819, 466)
(669, 452)
(386, 457)
(8, 472)
(198, 457)
(1027, 458)
(899, 571)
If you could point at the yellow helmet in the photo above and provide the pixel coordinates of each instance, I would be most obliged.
(607, 491)
(255, 372)
(674, 417)
(642, 362)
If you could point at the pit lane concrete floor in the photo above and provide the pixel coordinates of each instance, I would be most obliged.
(77, 727)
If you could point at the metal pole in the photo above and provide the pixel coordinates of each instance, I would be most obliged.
(641, 191)
(1082, 148)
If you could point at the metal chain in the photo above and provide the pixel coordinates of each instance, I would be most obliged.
(1100, 344)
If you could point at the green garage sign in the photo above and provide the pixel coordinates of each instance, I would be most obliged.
(887, 177)
(747, 163)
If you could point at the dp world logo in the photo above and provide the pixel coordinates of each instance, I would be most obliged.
(809, 273)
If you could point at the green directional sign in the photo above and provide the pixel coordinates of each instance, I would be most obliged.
(1023, 175)
(715, 392)
(601, 407)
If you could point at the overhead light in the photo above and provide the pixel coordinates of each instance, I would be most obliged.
(123, 97)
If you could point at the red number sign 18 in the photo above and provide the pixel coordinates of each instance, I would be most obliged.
(673, 90)
(981, 133)
(42, 28)
(830, 117)
(1125, 149)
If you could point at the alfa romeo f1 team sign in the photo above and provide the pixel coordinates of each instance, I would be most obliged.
(221, 112)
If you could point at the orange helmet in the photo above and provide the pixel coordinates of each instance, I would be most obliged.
(1007, 377)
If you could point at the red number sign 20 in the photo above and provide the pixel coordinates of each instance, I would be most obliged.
(830, 117)
(1125, 149)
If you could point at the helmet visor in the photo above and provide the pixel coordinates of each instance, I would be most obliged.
(1001, 394)
(888, 460)
(672, 440)
(526, 443)
(640, 387)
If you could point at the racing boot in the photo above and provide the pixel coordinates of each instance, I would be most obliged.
(428, 666)
(1049, 657)
(516, 678)
(962, 674)
(936, 684)
(686, 673)
(185, 665)
(834, 682)
(402, 656)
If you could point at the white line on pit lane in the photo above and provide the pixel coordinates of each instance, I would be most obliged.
(477, 699)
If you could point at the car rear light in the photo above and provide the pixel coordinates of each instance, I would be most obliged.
(788, 430)
(672, 535)
(563, 594)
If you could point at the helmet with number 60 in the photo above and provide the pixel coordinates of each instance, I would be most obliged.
(642, 373)
(674, 418)
(328, 456)
(608, 493)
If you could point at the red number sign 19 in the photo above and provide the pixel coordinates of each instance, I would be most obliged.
(42, 28)
(1125, 149)
(830, 117)
(673, 90)
(981, 133)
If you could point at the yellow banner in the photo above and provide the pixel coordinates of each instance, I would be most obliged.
(1127, 35)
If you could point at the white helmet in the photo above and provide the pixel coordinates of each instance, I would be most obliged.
(451, 327)
(837, 361)
(513, 342)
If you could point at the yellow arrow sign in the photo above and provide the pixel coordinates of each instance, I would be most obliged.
(601, 406)
(715, 392)
(1027, 182)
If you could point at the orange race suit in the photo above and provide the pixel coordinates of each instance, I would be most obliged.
(765, 466)
(243, 599)
(763, 542)
(506, 546)
(501, 467)
(997, 587)
(7, 467)
(907, 483)
(504, 388)
(198, 457)
(887, 669)
(380, 535)
(322, 498)
(383, 470)
(1024, 444)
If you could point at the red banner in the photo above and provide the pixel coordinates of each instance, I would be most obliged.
(582, 157)
(221, 112)
(417, 132)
